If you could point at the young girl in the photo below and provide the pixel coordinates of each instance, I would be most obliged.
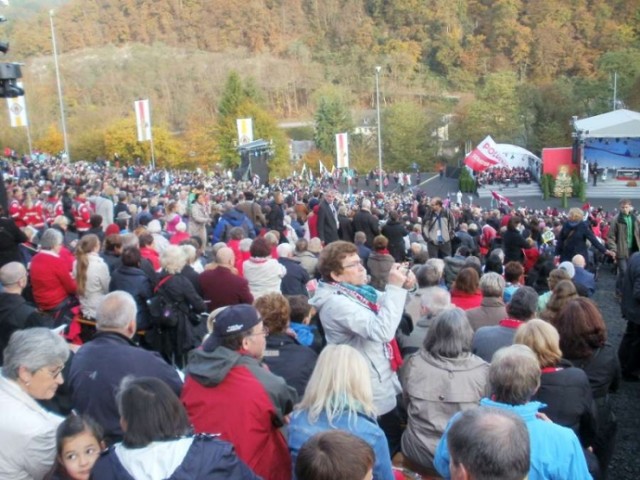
(79, 440)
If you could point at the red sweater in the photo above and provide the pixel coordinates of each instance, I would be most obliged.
(51, 280)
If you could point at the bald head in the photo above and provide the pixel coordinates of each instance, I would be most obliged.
(13, 277)
(225, 256)
(578, 261)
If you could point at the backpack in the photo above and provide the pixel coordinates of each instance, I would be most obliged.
(163, 311)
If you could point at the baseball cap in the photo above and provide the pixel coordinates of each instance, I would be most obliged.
(231, 321)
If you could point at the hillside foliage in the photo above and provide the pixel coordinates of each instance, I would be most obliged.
(515, 69)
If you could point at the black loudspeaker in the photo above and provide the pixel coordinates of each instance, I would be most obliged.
(575, 152)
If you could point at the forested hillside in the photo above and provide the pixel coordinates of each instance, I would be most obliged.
(517, 69)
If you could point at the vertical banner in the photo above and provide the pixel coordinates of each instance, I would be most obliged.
(17, 110)
(143, 120)
(342, 150)
(245, 130)
(485, 155)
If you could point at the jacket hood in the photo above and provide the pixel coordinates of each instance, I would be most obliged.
(527, 411)
(211, 368)
(235, 217)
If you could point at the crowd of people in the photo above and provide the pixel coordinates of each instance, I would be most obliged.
(504, 175)
(169, 324)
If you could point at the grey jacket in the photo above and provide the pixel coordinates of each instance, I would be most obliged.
(435, 389)
(489, 313)
(617, 236)
(346, 321)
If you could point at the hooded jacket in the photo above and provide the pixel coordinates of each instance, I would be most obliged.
(345, 321)
(233, 218)
(231, 394)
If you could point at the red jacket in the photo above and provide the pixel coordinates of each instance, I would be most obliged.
(221, 287)
(82, 214)
(233, 395)
(33, 216)
(466, 301)
(51, 280)
(152, 255)
(16, 212)
(178, 237)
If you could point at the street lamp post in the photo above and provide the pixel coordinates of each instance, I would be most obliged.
(378, 68)
(55, 58)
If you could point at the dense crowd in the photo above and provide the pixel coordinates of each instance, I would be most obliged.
(175, 324)
(505, 176)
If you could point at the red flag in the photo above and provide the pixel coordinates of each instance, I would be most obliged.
(485, 155)
(501, 198)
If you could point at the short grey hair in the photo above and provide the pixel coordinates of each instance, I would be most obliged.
(514, 375)
(360, 238)
(33, 349)
(245, 244)
(116, 310)
(499, 253)
(491, 443)
(523, 304)
(173, 259)
(449, 335)
(492, 285)
(429, 274)
(436, 299)
(284, 250)
(190, 253)
(51, 238)
(129, 240)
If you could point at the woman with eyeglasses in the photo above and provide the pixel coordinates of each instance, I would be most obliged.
(354, 313)
(32, 371)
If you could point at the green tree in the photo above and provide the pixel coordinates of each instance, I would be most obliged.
(406, 136)
(332, 116)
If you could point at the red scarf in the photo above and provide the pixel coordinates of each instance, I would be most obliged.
(510, 323)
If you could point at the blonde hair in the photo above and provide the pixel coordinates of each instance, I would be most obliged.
(575, 215)
(340, 383)
(87, 244)
(543, 339)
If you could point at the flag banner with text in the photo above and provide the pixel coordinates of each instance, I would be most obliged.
(502, 200)
(342, 150)
(17, 110)
(143, 120)
(484, 156)
(245, 130)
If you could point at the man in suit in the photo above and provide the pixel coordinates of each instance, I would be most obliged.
(365, 221)
(328, 219)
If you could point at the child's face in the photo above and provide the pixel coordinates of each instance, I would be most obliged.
(78, 455)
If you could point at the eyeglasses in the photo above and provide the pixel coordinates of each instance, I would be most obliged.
(353, 265)
(265, 332)
(55, 373)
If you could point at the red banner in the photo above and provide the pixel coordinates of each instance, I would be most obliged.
(483, 156)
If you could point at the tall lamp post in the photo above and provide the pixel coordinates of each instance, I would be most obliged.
(378, 68)
(55, 58)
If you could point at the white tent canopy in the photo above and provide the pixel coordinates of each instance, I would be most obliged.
(615, 124)
(515, 156)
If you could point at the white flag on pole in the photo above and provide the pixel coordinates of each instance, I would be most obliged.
(143, 120)
(245, 130)
(342, 150)
(17, 110)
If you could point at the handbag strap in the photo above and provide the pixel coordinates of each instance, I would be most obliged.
(162, 282)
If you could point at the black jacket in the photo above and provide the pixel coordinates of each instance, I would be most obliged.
(395, 232)
(294, 362)
(134, 281)
(572, 241)
(295, 281)
(327, 225)
(10, 239)
(275, 217)
(346, 228)
(366, 222)
(569, 400)
(17, 314)
(512, 243)
(630, 303)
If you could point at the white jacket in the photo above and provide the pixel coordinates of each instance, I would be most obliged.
(264, 275)
(27, 434)
(97, 285)
(346, 321)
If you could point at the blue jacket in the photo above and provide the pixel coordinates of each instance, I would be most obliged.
(99, 366)
(229, 220)
(207, 457)
(586, 279)
(556, 453)
(301, 430)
